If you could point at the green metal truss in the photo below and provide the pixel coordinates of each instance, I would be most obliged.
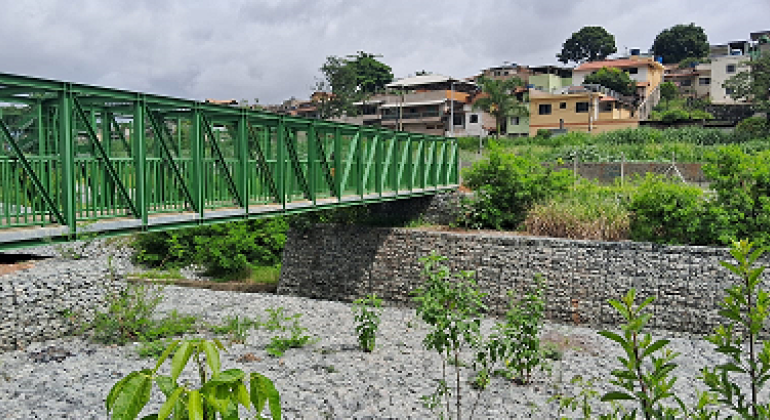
(77, 158)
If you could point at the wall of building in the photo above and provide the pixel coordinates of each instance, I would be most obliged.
(719, 75)
(346, 263)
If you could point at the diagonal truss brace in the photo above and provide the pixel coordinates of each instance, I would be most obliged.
(32, 176)
(263, 166)
(291, 147)
(97, 145)
(160, 133)
(220, 159)
(325, 163)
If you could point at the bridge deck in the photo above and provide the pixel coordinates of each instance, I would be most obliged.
(78, 158)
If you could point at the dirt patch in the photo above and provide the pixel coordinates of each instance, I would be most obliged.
(11, 263)
(243, 287)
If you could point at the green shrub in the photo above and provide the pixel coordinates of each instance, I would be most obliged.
(507, 186)
(742, 185)
(225, 250)
(753, 127)
(469, 143)
(674, 115)
(668, 212)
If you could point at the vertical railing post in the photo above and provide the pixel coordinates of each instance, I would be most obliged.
(338, 163)
(312, 157)
(378, 178)
(243, 160)
(281, 162)
(196, 154)
(67, 159)
(140, 157)
(359, 156)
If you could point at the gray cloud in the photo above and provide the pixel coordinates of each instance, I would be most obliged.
(272, 49)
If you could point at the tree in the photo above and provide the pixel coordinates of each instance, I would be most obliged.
(588, 44)
(753, 85)
(340, 83)
(371, 75)
(668, 91)
(680, 42)
(613, 78)
(346, 81)
(499, 99)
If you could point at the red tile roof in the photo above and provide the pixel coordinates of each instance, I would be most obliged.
(627, 62)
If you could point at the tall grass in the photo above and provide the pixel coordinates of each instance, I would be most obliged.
(589, 211)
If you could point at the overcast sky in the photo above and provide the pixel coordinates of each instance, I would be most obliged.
(272, 49)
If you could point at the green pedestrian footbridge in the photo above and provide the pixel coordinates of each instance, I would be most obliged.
(77, 160)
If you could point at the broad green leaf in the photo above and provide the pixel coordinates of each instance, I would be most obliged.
(229, 376)
(133, 396)
(168, 406)
(263, 390)
(166, 385)
(242, 394)
(195, 406)
(654, 347)
(116, 390)
(181, 357)
(613, 336)
(212, 357)
(615, 396)
(165, 355)
(217, 395)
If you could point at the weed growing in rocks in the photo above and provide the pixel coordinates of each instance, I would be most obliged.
(236, 327)
(296, 338)
(221, 392)
(367, 315)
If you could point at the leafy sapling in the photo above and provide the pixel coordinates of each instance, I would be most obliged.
(647, 365)
(746, 307)
(220, 392)
(452, 309)
(367, 315)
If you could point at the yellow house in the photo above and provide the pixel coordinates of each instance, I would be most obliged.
(645, 71)
(579, 109)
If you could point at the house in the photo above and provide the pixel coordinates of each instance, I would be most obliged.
(705, 80)
(593, 109)
(645, 71)
(430, 104)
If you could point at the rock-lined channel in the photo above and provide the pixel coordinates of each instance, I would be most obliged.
(68, 378)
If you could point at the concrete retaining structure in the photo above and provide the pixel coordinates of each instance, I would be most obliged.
(347, 262)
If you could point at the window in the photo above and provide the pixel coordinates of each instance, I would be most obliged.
(581, 107)
(544, 109)
(686, 82)
(474, 119)
(730, 68)
(704, 81)
(605, 106)
(514, 120)
(633, 70)
(563, 105)
(729, 91)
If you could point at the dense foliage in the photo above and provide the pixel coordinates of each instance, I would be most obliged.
(588, 44)
(513, 189)
(507, 186)
(613, 78)
(347, 80)
(680, 42)
(753, 85)
(224, 250)
(684, 144)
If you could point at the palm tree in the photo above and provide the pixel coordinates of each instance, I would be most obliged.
(499, 99)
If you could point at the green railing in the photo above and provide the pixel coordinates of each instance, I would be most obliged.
(71, 154)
